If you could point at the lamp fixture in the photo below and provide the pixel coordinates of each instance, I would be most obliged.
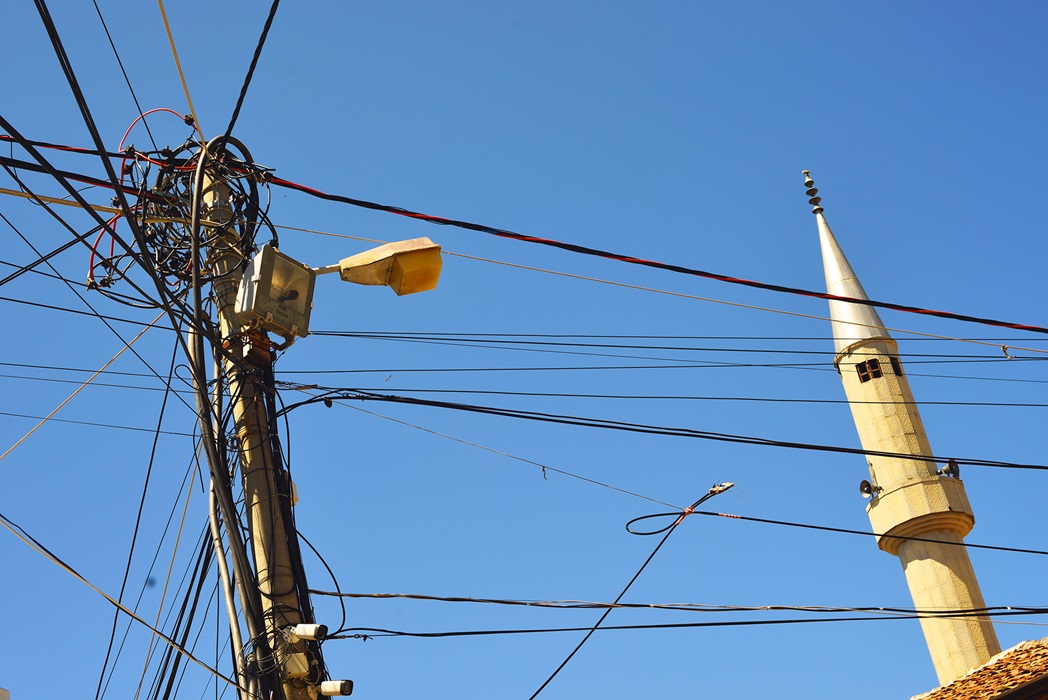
(406, 267)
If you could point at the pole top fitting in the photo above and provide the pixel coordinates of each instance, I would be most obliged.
(814, 200)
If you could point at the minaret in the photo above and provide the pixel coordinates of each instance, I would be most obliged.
(909, 497)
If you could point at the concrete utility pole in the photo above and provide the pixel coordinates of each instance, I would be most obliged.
(265, 482)
(257, 291)
(910, 496)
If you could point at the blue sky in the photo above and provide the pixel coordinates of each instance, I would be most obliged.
(673, 131)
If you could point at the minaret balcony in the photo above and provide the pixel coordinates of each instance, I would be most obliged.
(918, 507)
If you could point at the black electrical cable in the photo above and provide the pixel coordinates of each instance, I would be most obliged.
(59, 175)
(214, 445)
(334, 580)
(74, 369)
(44, 258)
(67, 149)
(21, 533)
(109, 293)
(172, 301)
(184, 620)
(510, 346)
(715, 490)
(102, 224)
(619, 257)
(52, 307)
(820, 338)
(95, 313)
(606, 424)
(699, 608)
(127, 80)
(373, 632)
(138, 519)
(93, 424)
(814, 366)
(494, 343)
(679, 397)
(596, 252)
(863, 533)
(147, 579)
(251, 68)
(692, 365)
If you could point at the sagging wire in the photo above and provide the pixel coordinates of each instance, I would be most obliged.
(629, 259)
(715, 490)
(127, 346)
(366, 633)
(328, 401)
(847, 531)
(681, 607)
(37, 546)
(649, 429)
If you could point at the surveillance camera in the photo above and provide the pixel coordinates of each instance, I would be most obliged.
(335, 688)
(308, 631)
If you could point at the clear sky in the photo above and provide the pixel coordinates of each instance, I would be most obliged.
(674, 131)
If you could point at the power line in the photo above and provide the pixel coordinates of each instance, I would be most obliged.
(120, 63)
(37, 546)
(629, 259)
(678, 607)
(373, 632)
(540, 465)
(77, 312)
(716, 490)
(92, 424)
(181, 75)
(846, 531)
(480, 341)
(165, 310)
(251, 68)
(127, 346)
(649, 429)
(44, 258)
(138, 521)
(596, 252)
(678, 397)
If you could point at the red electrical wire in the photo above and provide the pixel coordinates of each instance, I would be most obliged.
(596, 252)
(608, 255)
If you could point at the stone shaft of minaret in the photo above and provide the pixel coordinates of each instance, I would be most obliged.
(910, 498)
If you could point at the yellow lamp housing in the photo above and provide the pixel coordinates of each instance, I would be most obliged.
(277, 292)
(406, 267)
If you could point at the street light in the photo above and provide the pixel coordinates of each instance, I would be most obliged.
(276, 291)
(406, 267)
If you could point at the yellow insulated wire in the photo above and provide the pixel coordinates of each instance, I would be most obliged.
(181, 75)
(80, 388)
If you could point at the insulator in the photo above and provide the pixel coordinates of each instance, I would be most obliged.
(814, 201)
(812, 192)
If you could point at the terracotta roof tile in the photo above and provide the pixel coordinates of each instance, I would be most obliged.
(1012, 668)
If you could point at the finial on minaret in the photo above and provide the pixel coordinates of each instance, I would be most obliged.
(815, 200)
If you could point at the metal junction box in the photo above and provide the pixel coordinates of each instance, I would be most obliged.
(277, 291)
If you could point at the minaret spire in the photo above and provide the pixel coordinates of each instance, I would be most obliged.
(911, 496)
(852, 323)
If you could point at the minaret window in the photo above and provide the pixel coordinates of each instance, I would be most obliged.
(896, 367)
(871, 369)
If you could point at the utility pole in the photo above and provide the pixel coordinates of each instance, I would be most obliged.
(255, 294)
(294, 663)
(197, 218)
